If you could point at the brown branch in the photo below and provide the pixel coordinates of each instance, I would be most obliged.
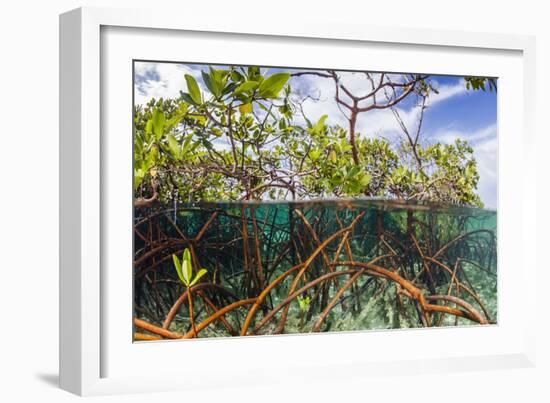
(314, 236)
(205, 227)
(157, 330)
(308, 262)
(415, 293)
(259, 268)
(183, 297)
(217, 315)
(334, 301)
(472, 313)
(142, 202)
(208, 302)
(262, 296)
(145, 337)
(458, 238)
(470, 291)
(295, 294)
(310, 73)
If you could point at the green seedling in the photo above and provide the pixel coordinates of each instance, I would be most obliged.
(184, 268)
(304, 303)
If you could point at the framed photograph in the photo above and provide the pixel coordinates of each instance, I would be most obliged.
(257, 202)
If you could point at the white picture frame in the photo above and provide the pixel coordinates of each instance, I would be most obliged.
(95, 355)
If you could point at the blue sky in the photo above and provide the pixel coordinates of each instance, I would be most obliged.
(453, 113)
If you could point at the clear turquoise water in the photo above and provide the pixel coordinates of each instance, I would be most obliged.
(246, 245)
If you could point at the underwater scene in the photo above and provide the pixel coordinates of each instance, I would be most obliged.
(278, 200)
(319, 266)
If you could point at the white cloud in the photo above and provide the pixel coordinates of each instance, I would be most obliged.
(383, 123)
(375, 122)
(485, 152)
(447, 91)
(449, 136)
(156, 80)
(165, 80)
(485, 144)
(161, 80)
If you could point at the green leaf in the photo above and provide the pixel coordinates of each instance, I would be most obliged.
(304, 302)
(176, 119)
(187, 268)
(187, 98)
(187, 271)
(158, 122)
(187, 143)
(149, 127)
(187, 255)
(138, 177)
(199, 119)
(200, 273)
(174, 146)
(332, 157)
(365, 180)
(314, 154)
(271, 87)
(354, 170)
(236, 76)
(213, 86)
(193, 88)
(151, 158)
(177, 264)
(245, 108)
(247, 86)
(218, 75)
(319, 126)
(253, 73)
(229, 88)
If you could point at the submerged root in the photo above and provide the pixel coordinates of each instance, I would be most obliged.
(331, 281)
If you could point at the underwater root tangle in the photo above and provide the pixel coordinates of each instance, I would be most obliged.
(407, 288)
(307, 276)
